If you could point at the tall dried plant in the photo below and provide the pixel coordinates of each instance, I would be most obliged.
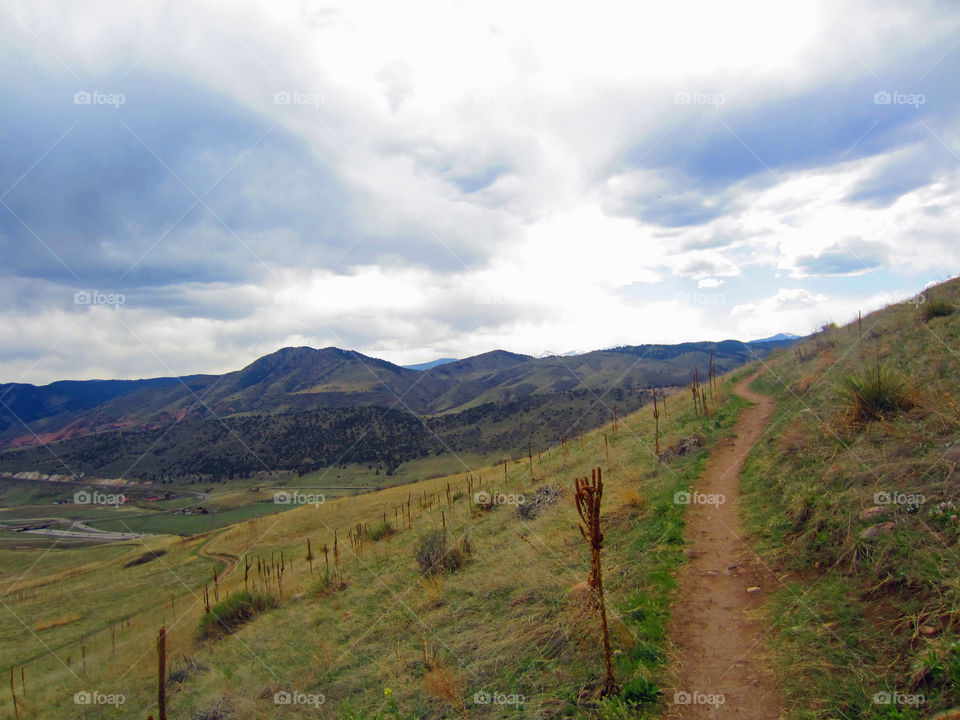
(587, 497)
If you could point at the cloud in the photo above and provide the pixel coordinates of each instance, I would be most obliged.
(850, 256)
(425, 193)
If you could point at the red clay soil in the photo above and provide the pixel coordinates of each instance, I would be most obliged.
(717, 626)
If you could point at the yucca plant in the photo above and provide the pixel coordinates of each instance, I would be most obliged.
(875, 393)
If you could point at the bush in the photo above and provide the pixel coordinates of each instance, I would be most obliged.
(380, 531)
(436, 555)
(936, 308)
(228, 615)
(875, 393)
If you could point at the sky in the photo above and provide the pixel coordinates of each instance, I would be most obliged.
(187, 186)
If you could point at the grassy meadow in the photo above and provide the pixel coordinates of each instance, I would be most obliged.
(507, 633)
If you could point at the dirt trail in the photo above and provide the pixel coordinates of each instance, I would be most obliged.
(231, 561)
(717, 636)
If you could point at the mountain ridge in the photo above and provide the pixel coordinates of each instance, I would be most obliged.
(302, 379)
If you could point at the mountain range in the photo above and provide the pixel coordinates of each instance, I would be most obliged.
(480, 403)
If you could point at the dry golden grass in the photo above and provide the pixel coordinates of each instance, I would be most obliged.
(507, 602)
(632, 499)
(58, 622)
(445, 686)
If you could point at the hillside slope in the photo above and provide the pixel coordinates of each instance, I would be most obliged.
(854, 505)
(374, 636)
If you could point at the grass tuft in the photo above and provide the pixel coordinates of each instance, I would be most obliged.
(876, 393)
(241, 607)
(436, 555)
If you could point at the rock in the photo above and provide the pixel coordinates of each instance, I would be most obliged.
(873, 512)
(875, 530)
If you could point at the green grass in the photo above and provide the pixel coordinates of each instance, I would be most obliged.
(170, 524)
(858, 614)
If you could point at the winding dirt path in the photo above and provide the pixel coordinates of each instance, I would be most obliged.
(721, 667)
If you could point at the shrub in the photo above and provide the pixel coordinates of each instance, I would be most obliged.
(875, 393)
(935, 308)
(237, 609)
(436, 555)
(380, 531)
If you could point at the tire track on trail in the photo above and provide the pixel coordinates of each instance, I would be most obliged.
(721, 664)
